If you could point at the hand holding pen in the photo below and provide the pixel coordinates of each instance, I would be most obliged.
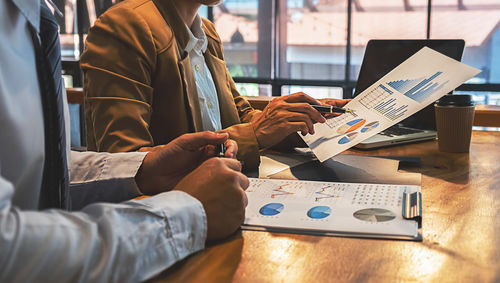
(331, 109)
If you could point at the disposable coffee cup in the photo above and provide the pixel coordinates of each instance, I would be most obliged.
(454, 118)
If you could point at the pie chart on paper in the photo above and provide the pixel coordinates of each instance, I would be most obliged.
(348, 138)
(271, 209)
(319, 212)
(374, 215)
(351, 126)
(370, 126)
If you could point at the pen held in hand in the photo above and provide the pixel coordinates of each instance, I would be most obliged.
(331, 109)
(221, 150)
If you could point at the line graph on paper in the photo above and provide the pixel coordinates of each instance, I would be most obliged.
(280, 191)
(324, 194)
(375, 96)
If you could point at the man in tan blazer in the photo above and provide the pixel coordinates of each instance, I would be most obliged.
(143, 87)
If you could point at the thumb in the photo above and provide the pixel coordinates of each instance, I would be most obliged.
(195, 141)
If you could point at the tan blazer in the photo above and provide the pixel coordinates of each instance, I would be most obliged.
(140, 88)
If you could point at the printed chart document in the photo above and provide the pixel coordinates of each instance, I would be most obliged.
(347, 209)
(417, 82)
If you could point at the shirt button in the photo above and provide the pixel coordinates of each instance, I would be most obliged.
(197, 68)
(210, 105)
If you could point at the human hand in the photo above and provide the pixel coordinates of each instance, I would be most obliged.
(165, 165)
(333, 102)
(219, 185)
(285, 115)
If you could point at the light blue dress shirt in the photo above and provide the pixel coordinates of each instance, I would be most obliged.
(103, 242)
(207, 94)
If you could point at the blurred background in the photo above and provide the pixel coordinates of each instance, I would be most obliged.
(277, 47)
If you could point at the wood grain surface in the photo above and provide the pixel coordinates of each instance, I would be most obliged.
(461, 231)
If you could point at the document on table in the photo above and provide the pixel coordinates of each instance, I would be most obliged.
(327, 208)
(417, 82)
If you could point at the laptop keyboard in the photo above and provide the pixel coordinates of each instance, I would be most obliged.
(399, 131)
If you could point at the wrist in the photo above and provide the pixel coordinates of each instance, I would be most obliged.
(141, 175)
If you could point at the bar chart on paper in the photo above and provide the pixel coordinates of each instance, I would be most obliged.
(414, 84)
(419, 89)
(382, 100)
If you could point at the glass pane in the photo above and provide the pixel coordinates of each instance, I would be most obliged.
(477, 22)
(312, 44)
(245, 27)
(388, 19)
(314, 91)
(248, 89)
(481, 97)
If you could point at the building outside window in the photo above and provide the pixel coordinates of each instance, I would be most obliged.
(276, 47)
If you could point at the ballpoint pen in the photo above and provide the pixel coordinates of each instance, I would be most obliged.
(221, 150)
(331, 109)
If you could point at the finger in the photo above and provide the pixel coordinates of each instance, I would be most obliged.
(331, 115)
(307, 109)
(245, 199)
(298, 126)
(232, 164)
(145, 149)
(231, 149)
(300, 117)
(195, 141)
(335, 102)
(300, 97)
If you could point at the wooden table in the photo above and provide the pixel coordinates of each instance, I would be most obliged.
(461, 231)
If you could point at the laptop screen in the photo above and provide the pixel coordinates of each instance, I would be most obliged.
(381, 56)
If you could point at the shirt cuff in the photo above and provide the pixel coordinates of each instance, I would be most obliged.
(185, 219)
(103, 177)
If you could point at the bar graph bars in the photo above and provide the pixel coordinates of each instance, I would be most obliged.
(418, 89)
(379, 99)
(390, 110)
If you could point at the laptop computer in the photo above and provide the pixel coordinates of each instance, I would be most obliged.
(381, 56)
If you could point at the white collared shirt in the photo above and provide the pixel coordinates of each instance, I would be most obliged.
(207, 94)
(104, 242)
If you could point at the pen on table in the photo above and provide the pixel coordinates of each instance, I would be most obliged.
(331, 109)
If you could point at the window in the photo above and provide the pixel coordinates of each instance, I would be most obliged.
(476, 21)
(246, 32)
(290, 43)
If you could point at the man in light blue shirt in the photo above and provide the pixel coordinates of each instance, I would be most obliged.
(103, 242)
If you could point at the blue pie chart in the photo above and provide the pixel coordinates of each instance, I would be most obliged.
(347, 138)
(319, 212)
(271, 209)
(370, 126)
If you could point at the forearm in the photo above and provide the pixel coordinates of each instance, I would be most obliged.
(128, 242)
(103, 177)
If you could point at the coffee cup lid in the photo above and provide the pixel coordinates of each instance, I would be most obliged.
(456, 100)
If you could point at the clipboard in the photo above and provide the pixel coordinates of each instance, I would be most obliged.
(289, 203)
